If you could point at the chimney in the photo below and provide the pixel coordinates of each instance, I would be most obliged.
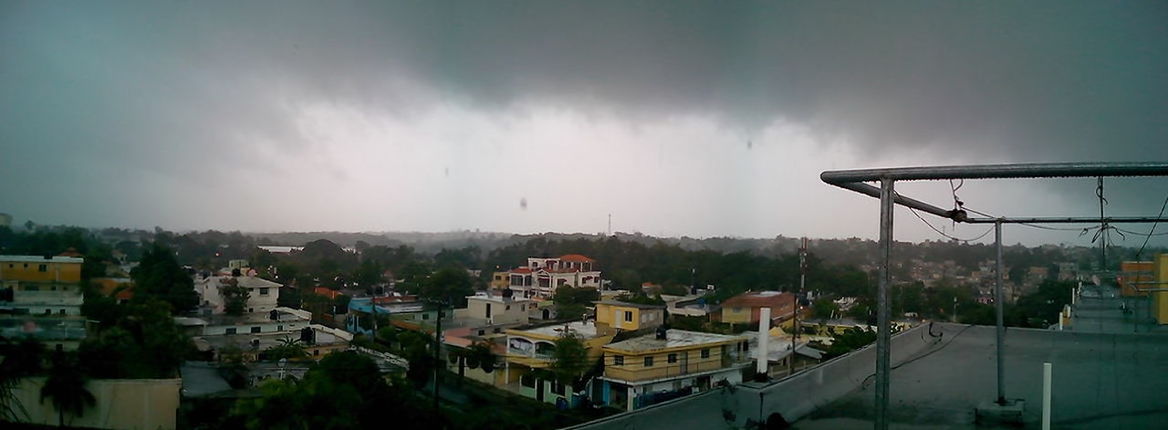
(764, 335)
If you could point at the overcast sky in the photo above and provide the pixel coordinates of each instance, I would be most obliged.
(699, 119)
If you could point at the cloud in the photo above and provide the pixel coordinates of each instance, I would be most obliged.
(192, 96)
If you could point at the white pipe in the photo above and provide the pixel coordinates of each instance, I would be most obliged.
(1046, 380)
(764, 335)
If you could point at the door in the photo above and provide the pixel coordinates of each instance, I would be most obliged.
(539, 390)
(684, 362)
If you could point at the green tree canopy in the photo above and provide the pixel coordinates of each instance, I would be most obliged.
(159, 275)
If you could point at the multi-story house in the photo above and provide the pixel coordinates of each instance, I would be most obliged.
(495, 310)
(611, 314)
(42, 297)
(670, 363)
(542, 276)
(262, 294)
(533, 349)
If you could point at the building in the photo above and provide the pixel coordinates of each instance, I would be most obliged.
(1132, 274)
(542, 276)
(363, 314)
(532, 349)
(500, 280)
(617, 315)
(1160, 298)
(253, 333)
(496, 310)
(41, 297)
(670, 363)
(779, 354)
(262, 294)
(746, 308)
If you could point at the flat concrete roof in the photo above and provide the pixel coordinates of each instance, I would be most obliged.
(939, 375)
(673, 339)
(586, 331)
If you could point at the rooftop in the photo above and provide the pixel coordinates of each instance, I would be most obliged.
(629, 305)
(584, 330)
(673, 339)
(772, 299)
(939, 375)
(576, 258)
(39, 259)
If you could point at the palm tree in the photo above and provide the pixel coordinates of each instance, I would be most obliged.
(18, 359)
(65, 387)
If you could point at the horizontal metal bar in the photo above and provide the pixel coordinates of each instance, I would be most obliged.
(872, 191)
(1059, 220)
(995, 171)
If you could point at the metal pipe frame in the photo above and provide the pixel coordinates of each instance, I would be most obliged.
(854, 180)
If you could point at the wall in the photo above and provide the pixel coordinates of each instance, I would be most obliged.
(634, 368)
(1160, 298)
(737, 315)
(30, 271)
(146, 404)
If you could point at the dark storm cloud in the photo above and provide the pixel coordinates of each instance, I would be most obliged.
(187, 91)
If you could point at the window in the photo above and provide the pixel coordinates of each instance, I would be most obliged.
(508, 308)
(618, 360)
(61, 312)
(255, 329)
(48, 311)
(746, 346)
(315, 352)
(251, 309)
(706, 353)
(648, 361)
(629, 316)
(279, 328)
(229, 331)
(498, 330)
(527, 381)
(482, 332)
(425, 316)
(557, 388)
(43, 268)
(672, 358)
(264, 291)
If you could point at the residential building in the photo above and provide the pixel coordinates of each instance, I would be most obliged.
(363, 314)
(41, 298)
(533, 349)
(746, 308)
(1131, 276)
(542, 276)
(670, 363)
(496, 310)
(617, 315)
(262, 294)
(500, 280)
(253, 333)
(779, 354)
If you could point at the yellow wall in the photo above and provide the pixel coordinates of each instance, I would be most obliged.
(1160, 298)
(30, 271)
(145, 404)
(500, 279)
(736, 315)
(604, 316)
(634, 368)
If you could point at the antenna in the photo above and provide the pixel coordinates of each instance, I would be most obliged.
(610, 224)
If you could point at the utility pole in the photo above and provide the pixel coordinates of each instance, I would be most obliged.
(802, 282)
(438, 358)
(610, 224)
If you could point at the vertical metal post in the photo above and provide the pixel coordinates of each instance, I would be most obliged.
(795, 325)
(998, 303)
(1046, 387)
(438, 364)
(884, 334)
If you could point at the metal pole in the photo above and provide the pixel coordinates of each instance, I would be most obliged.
(884, 334)
(998, 303)
(802, 282)
(437, 359)
(1046, 382)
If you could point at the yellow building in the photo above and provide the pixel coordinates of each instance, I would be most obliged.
(1160, 298)
(645, 370)
(43, 297)
(500, 280)
(611, 314)
(746, 308)
(1132, 276)
(40, 270)
(531, 350)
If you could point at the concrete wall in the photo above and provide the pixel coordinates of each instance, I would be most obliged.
(146, 404)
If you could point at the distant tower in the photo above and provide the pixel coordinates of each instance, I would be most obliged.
(610, 224)
(5, 220)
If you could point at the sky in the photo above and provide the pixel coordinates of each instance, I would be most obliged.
(676, 118)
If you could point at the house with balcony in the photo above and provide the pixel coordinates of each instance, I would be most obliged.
(541, 276)
(668, 364)
(41, 297)
(618, 315)
(531, 350)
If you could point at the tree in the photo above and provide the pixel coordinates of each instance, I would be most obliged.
(234, 297)
(65, 387)
(570, 358)
(824, 308)
(21, 358)
(571, 302)
(448, 285)
(159, 275)
(288, 348)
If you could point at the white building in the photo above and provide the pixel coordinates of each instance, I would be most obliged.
(496, 310)
(542, 276)
(262, 293)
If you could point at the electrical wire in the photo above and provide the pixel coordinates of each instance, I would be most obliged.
(1153, 230)
(914, 212)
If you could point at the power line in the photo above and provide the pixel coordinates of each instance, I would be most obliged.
(914, 212)
(1153, 230)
